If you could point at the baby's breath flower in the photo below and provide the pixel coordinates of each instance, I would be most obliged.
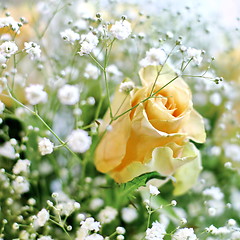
(129, 214)
(91, 71)
(120, 230)
(94, 236)
(154, 57)
(213, 192)
(88, 43)
(121, 29)
(20, 185)
(107, 215)
(70, 36)
(42, 217)
(35, 94)
(68, 94)
(184, 234)
(126, 87)
(79, 141)
(90, 224)
(153, 190)
(195, 54)
(22, 166)
(45, 146)
(45, 238)
(157, 231)
(8, 48)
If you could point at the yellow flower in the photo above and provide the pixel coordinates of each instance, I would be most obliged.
(154, 136)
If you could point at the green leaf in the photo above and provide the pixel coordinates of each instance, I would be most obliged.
(129, 187)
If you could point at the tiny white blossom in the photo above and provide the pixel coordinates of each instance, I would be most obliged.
(153, 190)
(91, 225)
(120, 230)
(79, 141)
(33, 50)
(213, 192)
(21, 166)
(107, 215)
(184, 234)
(8, 48)
(45, 238)
(70, 36)
(96, 203)
(88, 43)
(129, 214)
(94, 236)
(195, 54)
(9, 22)
(154, 57)
(35, 94)
(68, 94)
(45, 146)
(42, 217)
(91, 71)
(3, 59)
(156, 232)
(126, 87)
(121, 29)
(20, 185)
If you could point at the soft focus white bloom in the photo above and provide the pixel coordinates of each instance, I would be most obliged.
(42, 217)
(70, 36)
(2, 107)
(8, 48)
(195, 54)
(88, 43)
(68, 94)
(184, 234)
(154, 57)
(120, 230)
(231, 151)
(33, 50)
(45, 146)
(9, 22)
(121, 29)
(113, 69)
(153, 190)
(235, 235)
(234, 197)
(7, 150)
(218, 231)
(216, 99)
(80, 25)
(21, 166)
(20, 185)
(94, 236)
(213, 192)
(79, 141)
(45, 238)
(90, 224)
(107, 215)
(2, 58)
(96, 203)
(217, 207)
(129, 214)
(126, 87)
(35, 94)
(156, 232)
(91, 71)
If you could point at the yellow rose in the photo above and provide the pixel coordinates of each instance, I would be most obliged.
(154, 136)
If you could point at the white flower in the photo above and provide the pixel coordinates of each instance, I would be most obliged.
(42, 217)
(70, 36)
(20, 185)
(90, 224)
(21, 166)
(129, 214)
(2, 59)
(126, 87)
(8, 48)
(120, 230)
(154, 57)
(94, 236)
(184, 234)
(213, 192)
(9, 22)
(45, 238)
(91, 71)
(107, 215)
(232, 151)
(156, 232)
(153, 190)
(88, 43)
(96, 203)
(45, 146)
(68, 94)
(218, 231)
(33, 50)
(35, 94)
(195, 54)
(235, 235)
(79, 141)
(121, 29)
(2, 107)
(7, 150)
